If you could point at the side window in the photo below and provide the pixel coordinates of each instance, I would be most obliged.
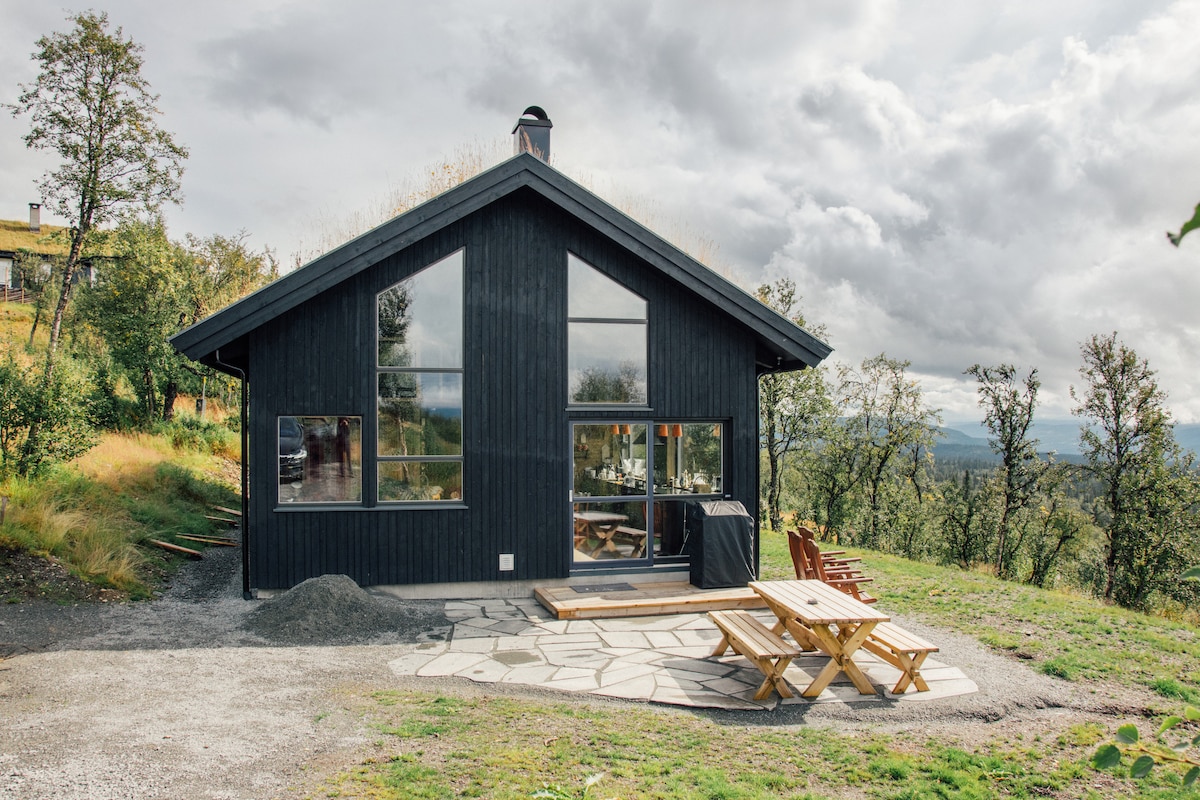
(320, 459)
(420, 385)
(606, 338)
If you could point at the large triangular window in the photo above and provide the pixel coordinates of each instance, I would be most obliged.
(606, 339)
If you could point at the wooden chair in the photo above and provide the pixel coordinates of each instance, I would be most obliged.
(847, 580)
(833, 560)
(799, 560)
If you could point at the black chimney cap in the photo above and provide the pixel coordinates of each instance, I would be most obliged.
(540, 118)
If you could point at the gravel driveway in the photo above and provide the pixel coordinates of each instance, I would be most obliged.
(201, 694)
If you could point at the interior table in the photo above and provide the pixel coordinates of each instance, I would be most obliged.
(819, 616)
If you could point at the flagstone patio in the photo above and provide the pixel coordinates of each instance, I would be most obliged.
(659, 659)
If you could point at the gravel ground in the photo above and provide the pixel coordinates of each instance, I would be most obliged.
(201, 694)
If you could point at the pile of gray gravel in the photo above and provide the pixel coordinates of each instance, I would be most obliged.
(334, 610)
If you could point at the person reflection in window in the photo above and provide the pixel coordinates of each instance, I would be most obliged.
(342, 445)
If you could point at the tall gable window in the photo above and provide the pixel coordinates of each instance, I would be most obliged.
(420, 380)
(606, 338)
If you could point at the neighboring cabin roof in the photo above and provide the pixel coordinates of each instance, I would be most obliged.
(15, 236)
(784, 344)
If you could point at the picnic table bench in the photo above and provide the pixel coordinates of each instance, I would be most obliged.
(903, 650)
(765, 649)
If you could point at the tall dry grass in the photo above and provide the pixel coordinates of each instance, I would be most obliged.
(96, 514)
(332, 228)
(93, 543)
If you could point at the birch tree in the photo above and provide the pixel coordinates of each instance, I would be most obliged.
(91, 106)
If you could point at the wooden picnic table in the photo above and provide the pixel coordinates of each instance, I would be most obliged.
(818, 616)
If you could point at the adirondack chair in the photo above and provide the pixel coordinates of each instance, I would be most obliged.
(799, 560)
(832, 560)
(847, 580)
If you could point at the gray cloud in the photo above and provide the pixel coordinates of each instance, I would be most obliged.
(949, 184)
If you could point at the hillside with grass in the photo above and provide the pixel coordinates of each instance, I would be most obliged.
(84, 529)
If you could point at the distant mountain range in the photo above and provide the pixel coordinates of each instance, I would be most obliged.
(1059, 436)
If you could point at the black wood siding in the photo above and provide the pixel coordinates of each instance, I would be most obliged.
(319, 359)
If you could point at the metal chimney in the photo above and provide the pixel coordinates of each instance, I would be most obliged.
(35, 217)
(533, 135)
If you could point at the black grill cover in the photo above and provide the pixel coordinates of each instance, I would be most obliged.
(720, 541)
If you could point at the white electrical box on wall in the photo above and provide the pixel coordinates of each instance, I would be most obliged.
(506, 562)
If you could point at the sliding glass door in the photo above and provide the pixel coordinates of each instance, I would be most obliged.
(630, 483)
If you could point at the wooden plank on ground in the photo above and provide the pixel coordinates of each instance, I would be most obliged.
(234, 511)
(209, 540)
(174, 548)
(222, 519)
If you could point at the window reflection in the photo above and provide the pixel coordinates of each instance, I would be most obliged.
(607, 362)
(420, 480)
(610, 460)
(670, 527)
(606, 338)
(420, 318)
(606, 531)
(320, 459)
(420, 385)
(620, 469)
(593, 294)
(420, 413)
(687, 458)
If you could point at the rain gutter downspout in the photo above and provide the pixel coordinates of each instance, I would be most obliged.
(246, 593)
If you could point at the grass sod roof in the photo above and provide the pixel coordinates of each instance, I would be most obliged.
(786, 345)
(15, 236)
(51, 240)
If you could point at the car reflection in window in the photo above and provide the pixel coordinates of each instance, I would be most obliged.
(292, 454)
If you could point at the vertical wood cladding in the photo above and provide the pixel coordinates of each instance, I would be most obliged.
(319, 359)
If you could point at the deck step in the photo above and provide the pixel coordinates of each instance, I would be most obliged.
(644, 600)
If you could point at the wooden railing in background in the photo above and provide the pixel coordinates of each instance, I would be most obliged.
(8, 295)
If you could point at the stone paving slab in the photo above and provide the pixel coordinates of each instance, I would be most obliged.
(654, 659)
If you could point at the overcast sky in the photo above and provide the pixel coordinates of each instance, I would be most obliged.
(947, 182)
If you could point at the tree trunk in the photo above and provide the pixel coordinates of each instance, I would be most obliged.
(168, 405)
(78, 234)
(771, 435)
(1001, 566)
(37, 316)
(151, 395)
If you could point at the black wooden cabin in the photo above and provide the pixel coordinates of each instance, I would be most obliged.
(511, 384)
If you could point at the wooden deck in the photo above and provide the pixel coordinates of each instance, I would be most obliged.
(626, 600)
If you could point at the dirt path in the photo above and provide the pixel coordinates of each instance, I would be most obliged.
(203, 695)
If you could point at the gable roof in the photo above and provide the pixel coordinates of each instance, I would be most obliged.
(790, 346)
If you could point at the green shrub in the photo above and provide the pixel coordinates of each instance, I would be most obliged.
(193, 433)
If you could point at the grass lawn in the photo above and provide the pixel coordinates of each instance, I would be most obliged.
(442, 745)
